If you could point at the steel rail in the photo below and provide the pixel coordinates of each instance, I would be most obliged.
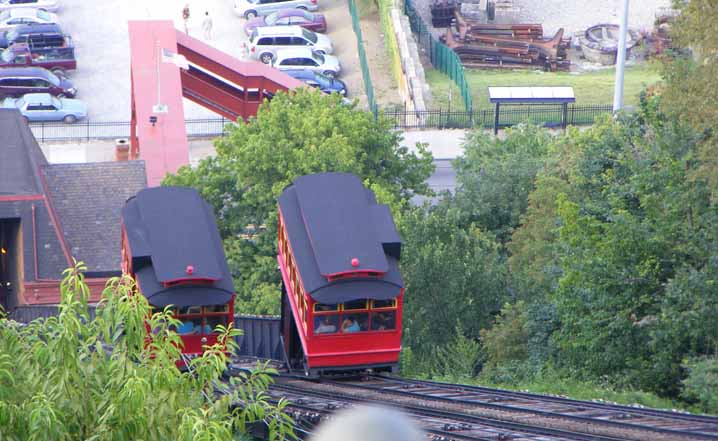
(461, 417)
(563, 400)
(544, 413)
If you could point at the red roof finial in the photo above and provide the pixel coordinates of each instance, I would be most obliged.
(189, 270)
(355, 262)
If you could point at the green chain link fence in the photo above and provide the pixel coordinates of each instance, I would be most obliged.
(440, 55)
(368, 86)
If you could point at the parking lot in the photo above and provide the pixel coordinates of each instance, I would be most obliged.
(99, 30)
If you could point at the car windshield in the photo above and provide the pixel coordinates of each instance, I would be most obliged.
(309, 35)
(272, 18)
(20, 103)
(6, 56)
(53, 78)
(44, 15)
(323, 80)
(319, 58)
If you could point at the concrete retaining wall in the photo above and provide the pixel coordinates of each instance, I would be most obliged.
(412, 86)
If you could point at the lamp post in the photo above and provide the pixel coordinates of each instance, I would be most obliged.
(620, 59)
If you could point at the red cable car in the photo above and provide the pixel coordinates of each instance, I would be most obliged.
(338, 251)
(172, 248)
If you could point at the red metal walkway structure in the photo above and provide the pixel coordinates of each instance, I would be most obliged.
(215, 80)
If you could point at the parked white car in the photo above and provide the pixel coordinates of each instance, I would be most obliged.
(10, 18)
(307, 59)
(252, 8)
(266, 41)
(48, 5)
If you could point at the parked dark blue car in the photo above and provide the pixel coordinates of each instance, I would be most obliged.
(321, 82)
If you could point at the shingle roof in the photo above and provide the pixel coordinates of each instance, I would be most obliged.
(20, 156)
(88, 199)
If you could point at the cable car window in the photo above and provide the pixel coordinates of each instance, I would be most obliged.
(319, 307)
(391, 303)
(355, 304)
(355, 322)
(383, 321)
(190, 310)
(216, 308)
(326, 324)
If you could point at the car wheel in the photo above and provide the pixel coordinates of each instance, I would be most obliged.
(250, 15)
(59, 72)
(303, 8)
(69, 119)
(329, 73)
(319, 51)
(266, 58)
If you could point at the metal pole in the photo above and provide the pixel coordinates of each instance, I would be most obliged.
(159, 55)
(620, 59)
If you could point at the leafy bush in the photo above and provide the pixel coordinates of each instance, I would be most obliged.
(701, 386)
(70, 377)
(507, 340)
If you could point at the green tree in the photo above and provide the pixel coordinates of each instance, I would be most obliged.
(453, 272)
(72, 377)
(496, 175)
(296, 134)
(690, 93)
(633, 221)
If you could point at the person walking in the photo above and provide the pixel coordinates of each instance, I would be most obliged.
(185, 17)
(207, 26)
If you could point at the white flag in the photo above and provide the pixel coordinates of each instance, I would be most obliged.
(178, 60)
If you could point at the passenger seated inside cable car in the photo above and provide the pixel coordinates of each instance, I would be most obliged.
(355, 316)
(199, 320)
(325, 324)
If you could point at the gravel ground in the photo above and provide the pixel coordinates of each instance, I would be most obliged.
(99, 30)
(573, 15)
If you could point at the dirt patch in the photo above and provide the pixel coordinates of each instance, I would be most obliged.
(379, 59)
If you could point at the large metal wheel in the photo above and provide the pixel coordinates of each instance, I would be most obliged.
(329, 73)
(69, 119)
(266, 58)
(250, 15)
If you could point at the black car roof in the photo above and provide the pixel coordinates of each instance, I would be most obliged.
(173, 237)
(331, 219)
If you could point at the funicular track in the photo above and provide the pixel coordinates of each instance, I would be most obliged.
(640, 416)
(456, 412)
(309, 410)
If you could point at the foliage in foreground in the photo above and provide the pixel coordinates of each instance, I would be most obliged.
(294, 135)
(72, 377)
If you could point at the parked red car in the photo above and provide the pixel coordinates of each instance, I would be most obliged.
(285, 17)
(57, 59)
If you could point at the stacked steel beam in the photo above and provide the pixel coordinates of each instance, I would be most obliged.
(507, 46)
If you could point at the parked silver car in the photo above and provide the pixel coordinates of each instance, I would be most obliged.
(307, 59)
(48, 5)
(19, 16)
(252, 8)
(266, 41)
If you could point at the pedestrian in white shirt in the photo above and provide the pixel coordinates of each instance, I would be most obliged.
(207, 26)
